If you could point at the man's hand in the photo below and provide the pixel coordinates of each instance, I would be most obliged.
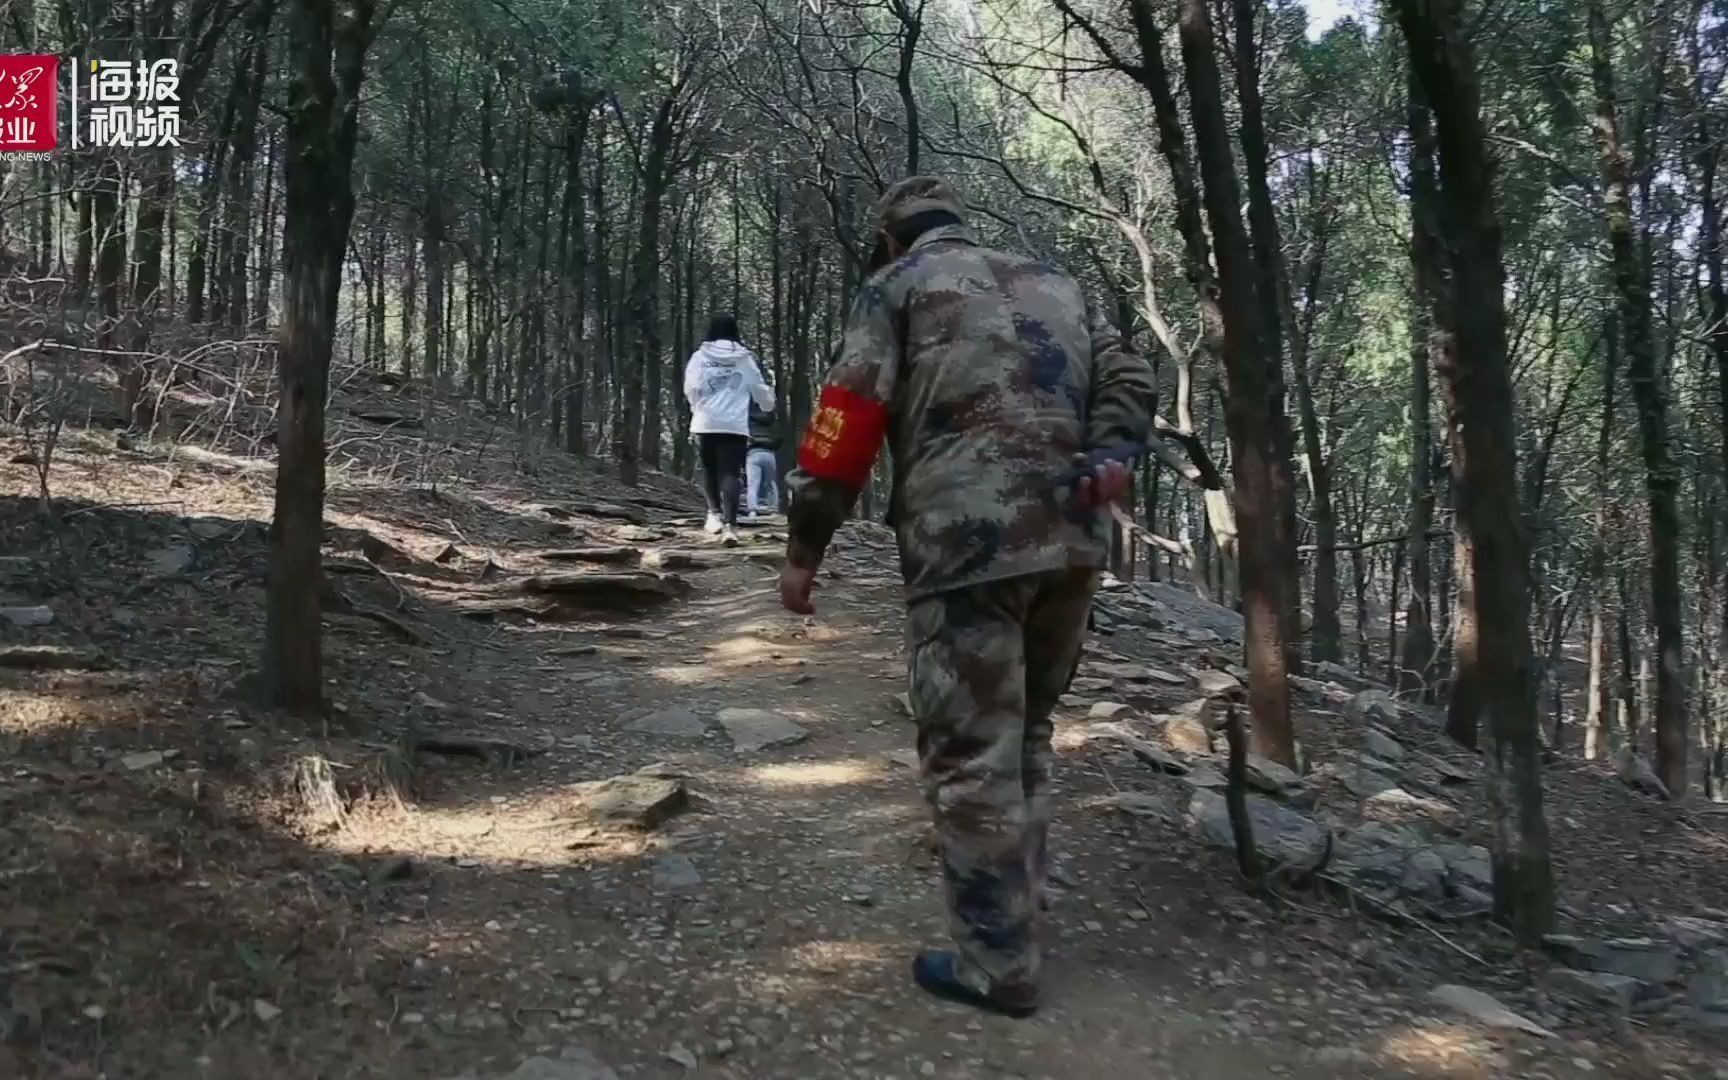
(795, 590)
(1106, 484)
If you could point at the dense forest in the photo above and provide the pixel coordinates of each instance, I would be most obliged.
(1441, 287)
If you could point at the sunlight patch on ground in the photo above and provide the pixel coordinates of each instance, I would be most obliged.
(1443, 1049)
(809, 774)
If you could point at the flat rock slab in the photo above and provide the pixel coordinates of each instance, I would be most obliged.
(1139, 804)
(633, 802)
(1215, 683)
(1188, 734)
(1366, 784)
(49, 658)
(606, 586)
(674, 874)
(1617, 992)
(1288, 840)
(759, 729)
(1382, 745)
(610, 556)
(574, 1063)
(1694, 934)
(1483, 1009)
(1109, 710)
(1266, 775)
(676, 722)
(1650, 961)
(1371, 705)
(171, 560)
(39, 615)
(1154, 755)
(680, 560)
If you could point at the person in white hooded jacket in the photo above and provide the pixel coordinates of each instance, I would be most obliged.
(720, 381)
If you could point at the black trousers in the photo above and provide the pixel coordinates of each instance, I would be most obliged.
(723, 472)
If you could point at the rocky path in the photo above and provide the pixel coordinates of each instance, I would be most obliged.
(687, 842)
(765, 930)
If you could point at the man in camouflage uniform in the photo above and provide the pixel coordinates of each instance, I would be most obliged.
(990, 380)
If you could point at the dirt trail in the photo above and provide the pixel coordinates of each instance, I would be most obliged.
(176, 916)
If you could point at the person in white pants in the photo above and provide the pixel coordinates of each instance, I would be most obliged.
(762, 467)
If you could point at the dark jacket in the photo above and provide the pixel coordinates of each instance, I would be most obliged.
(764, 429)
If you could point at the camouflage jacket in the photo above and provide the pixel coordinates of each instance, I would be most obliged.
(994, 374)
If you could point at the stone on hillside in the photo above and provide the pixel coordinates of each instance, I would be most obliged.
(1266, 775)
(1292, 842)
(574, 1063)
(1635, 772)
(143, 759)
(608, 556)
(1486, 1010)
(1138, 673)
(759, 729)
(1139, 804)
(1376, 855)
(1109, 710)
(599, 510)
(1708, 988)
(1397, 798)
(1695, 935)
(1636, 958)
(606, 587)
(1090, 686)
(1154, 755)
(39, 615)
(1365, 783)
(679, 560)
(1205, 778)
(675, 722)
(1616, 992)
(1371, 705)
(632, 801)
(1073, 701)
(904, 700)
(15, 568)
(1448, 772)
(1339, 674)
(674, 874)
(49, 658)
(1194, 612)
(1468, 865)
(1382, 745)
(1424, 876)
(1215, 683)
(1188, 734)
(171, 560)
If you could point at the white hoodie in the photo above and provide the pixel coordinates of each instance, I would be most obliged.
(719, 382)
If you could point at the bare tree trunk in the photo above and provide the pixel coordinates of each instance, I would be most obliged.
(328, 57)
(1249, 410)
(1429, 339)
(1484, 463)
(1662, 478)
(635, 430)
(1600, 695)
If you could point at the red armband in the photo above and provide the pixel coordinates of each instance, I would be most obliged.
(841, 440)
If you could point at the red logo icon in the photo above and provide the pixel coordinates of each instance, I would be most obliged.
(29, 105)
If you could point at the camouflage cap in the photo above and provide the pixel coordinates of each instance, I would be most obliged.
(916, 195)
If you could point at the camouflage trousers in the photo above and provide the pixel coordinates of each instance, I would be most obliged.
(987, 664)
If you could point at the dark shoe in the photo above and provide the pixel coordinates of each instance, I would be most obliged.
(937, 971)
